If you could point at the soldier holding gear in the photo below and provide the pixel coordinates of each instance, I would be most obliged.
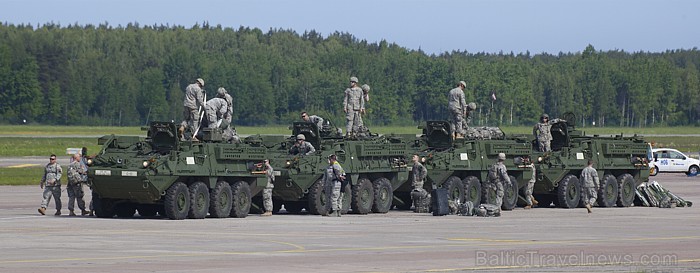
(301, 147)
(458, 109)
(498, 175)
(216, 109)
(313, 119)
(418, 195)
(543, 134)
(334, 177)
(354, 107)
(77, 176)
(365, 91)
(51, 183)
(193, 102)
(222, 93)
(267, 192)
(589, 185)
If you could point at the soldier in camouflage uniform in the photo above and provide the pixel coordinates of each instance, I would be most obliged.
(313, 119)
(542, 132)
(498, 175)
(418, 195)
(77, 177)
(51, 183)
(229, 134)
(335, 176)
(216, 109)
(589, 186)
(354, 107)
(529, 199)
(301, 147)
(193, 103)
(458, 109)
(222, 93)
(267, 192)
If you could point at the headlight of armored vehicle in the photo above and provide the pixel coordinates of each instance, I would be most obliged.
(539, 159)
(90, 162)
(146, 163)
(288, 163)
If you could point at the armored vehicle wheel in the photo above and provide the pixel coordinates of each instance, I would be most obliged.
(199, 202)
(347, 199)
(125, 210)
(626, 194)
(383, 195)
(293, 207)
(241, 199)
(221, 200)
(472, 190)
(569, 192)
(510, 194)
(362, 196)
(103, 207)
(455, 189)
(607, 194)
(147, 211)
(319, 203)
(177, 201)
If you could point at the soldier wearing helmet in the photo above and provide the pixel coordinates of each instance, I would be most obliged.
(193, 106)
(354, 107)
(222, 93)
(301, 147)
(334, 177)
(543, 134)
(458, 109)
(498, 175)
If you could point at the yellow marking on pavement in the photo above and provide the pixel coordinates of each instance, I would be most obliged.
(298, 247)
(487, 240)
(22, 165)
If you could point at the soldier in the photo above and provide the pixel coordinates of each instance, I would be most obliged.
(418, 194)
(589, 186)
(301, 147)
(77, 175)
(354, 107)
(313, 119)
(222, 93)
(458, 109)
(529, 199)
(193, 103)
(365, 91)
(216, 109)
(335, 176)
(267, 192)
(498, 175)
(51, 184)
(543, 134)
(229, 134)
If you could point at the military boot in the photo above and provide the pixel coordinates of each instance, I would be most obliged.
(588, 208)
(267, 213)
(534, 202)
(528, 207)
(42, 211)
(92, 213)
(71, 213)
(85, 212)
(58, 213)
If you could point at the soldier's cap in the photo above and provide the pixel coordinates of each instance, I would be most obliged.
(200, 81)
(301, 136)
(353, 79)
(463, 83)
(501, 156)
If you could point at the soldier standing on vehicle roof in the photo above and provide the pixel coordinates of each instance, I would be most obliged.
(301, 147)
(77, 176)
(498, 175)
(335, 177)
(354, 107)
(589, 186)
(267, 192)
(216, 109)
(458, 109)
(229, 134)
(542, 132)
(51, 184)
(418, 194)
(222, 93)
(193, 103)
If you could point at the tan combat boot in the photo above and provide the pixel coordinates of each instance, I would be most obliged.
(85, 212)
(42, 211)
(528, 207)
(534, 202)
(71, 213)
(267, 213)
(588, 208)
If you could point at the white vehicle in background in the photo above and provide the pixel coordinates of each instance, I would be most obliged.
(672, 161)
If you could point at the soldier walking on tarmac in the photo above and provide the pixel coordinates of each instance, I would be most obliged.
(543, 134)
(498, 175)
(589, 186)
(51, 184)
(334, 178)
(77, 176)
(458, 109)
(419, 195)
(354, 107)
(267, 192)
(193, 104)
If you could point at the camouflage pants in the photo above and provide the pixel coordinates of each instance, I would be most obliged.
(267, 199)
(75, 191)
(192, 119)
(336, 197)
(354, 121)
(54, 191)
(457, 122)
(544, 145)
(495, 190)
(589, 195)
(529, 188)
(211, 119)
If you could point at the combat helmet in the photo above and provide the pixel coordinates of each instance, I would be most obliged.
(200, 81)
(544, 116)
(353, 79)
(501, 156)
(365, 88)
(301, 136)
(221, 92)
(471, 106)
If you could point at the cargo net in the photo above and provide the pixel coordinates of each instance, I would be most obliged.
(652, 194)
(484, 133)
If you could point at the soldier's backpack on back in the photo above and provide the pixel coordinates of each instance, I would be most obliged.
(439, 202)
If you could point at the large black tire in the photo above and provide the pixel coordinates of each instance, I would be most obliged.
(569, 192)
(472, 190)
(362, 196)
(608, 191)
(319, 202)
(221, 200)
(510, 194)
(293, 207)
(347, 199)
(455, 189)
(125, 210)
(383, 195)
(693, 170)
(626, 194)
(147, 211)
(240, 205)
(199, 201)
(177, 201)
(104, 208)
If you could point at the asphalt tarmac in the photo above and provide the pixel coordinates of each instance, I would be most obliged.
(636, 239)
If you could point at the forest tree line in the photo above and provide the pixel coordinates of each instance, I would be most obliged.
(129, 75)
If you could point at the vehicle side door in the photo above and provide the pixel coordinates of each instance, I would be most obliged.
(678, 161)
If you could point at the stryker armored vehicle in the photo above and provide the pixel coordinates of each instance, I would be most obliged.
(461, 165)
(374, 165)
(177, 179)
(621, 163)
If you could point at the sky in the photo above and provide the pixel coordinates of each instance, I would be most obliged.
(434, 26)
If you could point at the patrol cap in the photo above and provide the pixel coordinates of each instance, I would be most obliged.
(221, 91)
(463, 83)
(501, 156)
(301, 136)
(365, 88)
(353, 79)
(200, 81)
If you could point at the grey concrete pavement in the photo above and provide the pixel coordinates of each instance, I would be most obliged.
(634, 239)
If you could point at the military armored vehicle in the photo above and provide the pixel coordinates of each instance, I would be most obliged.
(461, 165)
(160, 174)
(621, 163)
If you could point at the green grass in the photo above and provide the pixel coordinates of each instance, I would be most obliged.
(21, 176)
(26, 146)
